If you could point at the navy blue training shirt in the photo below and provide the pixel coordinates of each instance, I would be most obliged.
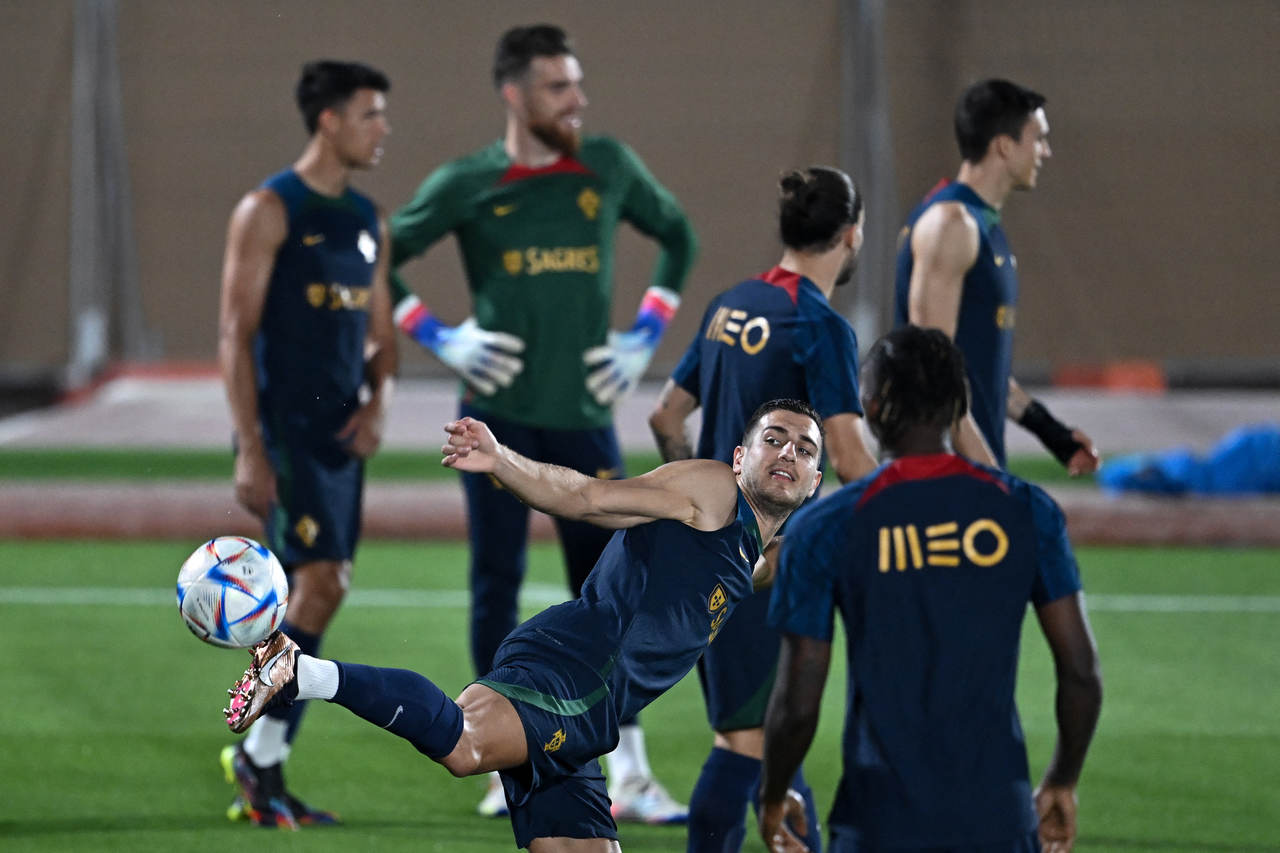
(309, 350)
(767, 337)
(931, 562)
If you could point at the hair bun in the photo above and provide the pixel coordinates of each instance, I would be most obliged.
(792, 182)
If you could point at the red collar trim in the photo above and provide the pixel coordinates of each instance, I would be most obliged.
(787, 280)
(565, 165)
(927, 467)
(937, 188)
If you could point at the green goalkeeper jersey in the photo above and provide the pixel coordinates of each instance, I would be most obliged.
(537, 249)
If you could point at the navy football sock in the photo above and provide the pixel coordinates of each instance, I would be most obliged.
(402, 702)
(812, 839)
(718, 806)
(309, 644)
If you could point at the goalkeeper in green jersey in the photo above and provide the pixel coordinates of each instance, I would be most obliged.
(535, 214)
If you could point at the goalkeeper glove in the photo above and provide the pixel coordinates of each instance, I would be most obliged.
(615, 368)
(485, 360)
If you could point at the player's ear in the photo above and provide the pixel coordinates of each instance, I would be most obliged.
(328, 120)
(738, 453)
(512, 96)
(817, 481)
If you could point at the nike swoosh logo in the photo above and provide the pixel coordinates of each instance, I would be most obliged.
(264, 674)
(399, 710)
(312, 239)
(503, 209)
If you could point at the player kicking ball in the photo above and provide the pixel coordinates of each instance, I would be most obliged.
(690, 535)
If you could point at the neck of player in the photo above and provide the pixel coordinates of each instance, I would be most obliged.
(321, 169)
(821, 268)
(989, 180)
(525, 149)
(920, 440)
(767, 521)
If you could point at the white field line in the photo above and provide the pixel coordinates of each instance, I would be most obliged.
(149, 596)
(544, 594)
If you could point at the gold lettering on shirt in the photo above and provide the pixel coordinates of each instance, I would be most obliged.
(582, 259)
(900, 545)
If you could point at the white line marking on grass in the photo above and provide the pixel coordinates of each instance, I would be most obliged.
(533, 593)
(546, 594)
(1183, 603)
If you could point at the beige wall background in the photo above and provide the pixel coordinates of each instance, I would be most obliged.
(1152, 235)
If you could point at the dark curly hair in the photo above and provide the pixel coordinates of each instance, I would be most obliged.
(915, 376)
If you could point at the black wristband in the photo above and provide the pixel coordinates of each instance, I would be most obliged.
(1053, 433)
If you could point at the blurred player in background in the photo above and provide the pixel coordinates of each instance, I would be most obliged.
(535, 214)
(773, 335)
(956, 271)
(306, 324)
(931, 561)
(689, 540)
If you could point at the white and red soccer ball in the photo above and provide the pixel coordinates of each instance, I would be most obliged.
(232, 592)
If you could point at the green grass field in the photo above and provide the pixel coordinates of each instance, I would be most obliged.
(110, 724)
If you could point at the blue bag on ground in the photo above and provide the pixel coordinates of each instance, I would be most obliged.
(1246, 461)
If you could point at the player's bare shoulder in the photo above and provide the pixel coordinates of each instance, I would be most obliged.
(705, 488)
(946, 229)
(260, 217)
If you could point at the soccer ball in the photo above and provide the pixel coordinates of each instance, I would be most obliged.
(232, 592)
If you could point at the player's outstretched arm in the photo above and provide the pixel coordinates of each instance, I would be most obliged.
(257, 229)
(1079, 701)
(701, 493)
(789, 725)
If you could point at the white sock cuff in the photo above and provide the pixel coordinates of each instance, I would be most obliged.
(629, 760)
(264, 744)
(317, 678)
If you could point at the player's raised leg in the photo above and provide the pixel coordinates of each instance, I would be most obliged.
(478, 733)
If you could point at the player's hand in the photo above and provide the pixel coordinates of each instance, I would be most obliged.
(774, 817)
(485, 360)
(1085, 460)
(1056, 806)
(362, 433)
(255, 481)
(470, 447)
(615, 367)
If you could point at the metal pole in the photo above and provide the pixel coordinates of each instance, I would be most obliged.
(866, 152)
(88, 319)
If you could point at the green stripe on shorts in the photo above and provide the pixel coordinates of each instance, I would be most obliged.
(554, 704)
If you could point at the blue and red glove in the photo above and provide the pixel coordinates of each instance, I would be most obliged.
(485, 360)
(615, 368)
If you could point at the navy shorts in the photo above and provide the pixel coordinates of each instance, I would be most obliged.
(320, 487)
(574, 806)
(846, 840)
(738, 668)
(569, 721)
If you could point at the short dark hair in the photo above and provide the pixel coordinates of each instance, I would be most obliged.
(916, 376)
(328, 83)
(992, 108)
(519, 45)
(814, 205)
(800, 407)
